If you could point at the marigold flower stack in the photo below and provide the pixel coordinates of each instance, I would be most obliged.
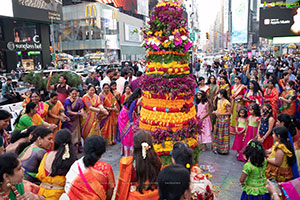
(168, 110)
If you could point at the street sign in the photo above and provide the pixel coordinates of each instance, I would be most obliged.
(193, 36)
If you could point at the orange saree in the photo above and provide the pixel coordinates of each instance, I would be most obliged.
(123, 188)
(271, 97)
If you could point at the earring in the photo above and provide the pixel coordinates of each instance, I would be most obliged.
(40, 144)
(9, 185)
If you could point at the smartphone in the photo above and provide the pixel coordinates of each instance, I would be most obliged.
(276, 185)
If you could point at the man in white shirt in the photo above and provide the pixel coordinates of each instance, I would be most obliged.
(121, 81)
(107, 79)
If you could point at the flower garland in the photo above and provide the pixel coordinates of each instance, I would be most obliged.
(158, 102)
(151, 96)
(174, 86)
(179, 71)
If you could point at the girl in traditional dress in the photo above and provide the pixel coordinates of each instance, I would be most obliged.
(109, 124)
(126, 119)
(253, 178)
(212, 84)
(237, 92)
(93, 106)
(127, 93)
(240, 129)
(271, 97)
(74, 108)
(55, 165)
(253, 94)
(203, 111)
(221, 139)
(282, 156)
(252, 127)
(266, 126)
(288, 99)
(90, 178)
(138, 173)
(202, 86)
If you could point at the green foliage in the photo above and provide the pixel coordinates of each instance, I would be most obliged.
(167, 159)
(40, 82)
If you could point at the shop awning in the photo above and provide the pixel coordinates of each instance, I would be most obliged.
(286, 40)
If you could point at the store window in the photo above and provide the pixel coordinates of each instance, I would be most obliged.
(25, 32)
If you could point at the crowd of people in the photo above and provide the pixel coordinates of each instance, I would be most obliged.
(257, 101)
(258, 105)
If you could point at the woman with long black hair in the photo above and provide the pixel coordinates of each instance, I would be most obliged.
(253, 95)
(126, 119)
(55, 165)
(282, 157)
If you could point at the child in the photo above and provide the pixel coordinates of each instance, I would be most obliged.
(252, 124)
(253, 178)
(240, 130)
(282, 157)
(203, 111)
(201, 187)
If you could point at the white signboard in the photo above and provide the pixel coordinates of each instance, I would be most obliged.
(131, 35)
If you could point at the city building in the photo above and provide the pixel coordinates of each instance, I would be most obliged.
(95, 27)
(25, 32)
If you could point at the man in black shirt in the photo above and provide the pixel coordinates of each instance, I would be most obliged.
(93, 80)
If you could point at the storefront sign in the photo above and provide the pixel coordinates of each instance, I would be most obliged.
(23, 46)
(131, 35)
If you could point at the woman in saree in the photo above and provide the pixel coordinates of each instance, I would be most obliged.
(42, 108)
(288, 99)
(13, 186)
(271, 95)
(5, 118)
(237, 90)
(90, 178)
(138, 173)
(31, 117)
(253, 94)
(109, 124)
(55, 166)
(56, 112)
(125, 121)
(127, 93)
(114, 91)
(74, 109)
(32, 152)
(90, 124)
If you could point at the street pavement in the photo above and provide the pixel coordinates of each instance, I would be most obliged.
(225, 170)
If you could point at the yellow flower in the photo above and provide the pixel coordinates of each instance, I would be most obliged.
(175, 31)
(183, 30)
(166, 44)
(158, 33)
(149, 33)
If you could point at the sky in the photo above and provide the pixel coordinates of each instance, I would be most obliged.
(207, 12)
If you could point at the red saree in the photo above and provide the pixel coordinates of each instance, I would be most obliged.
(272, 98)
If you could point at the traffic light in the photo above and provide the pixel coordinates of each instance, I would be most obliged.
(207, 35)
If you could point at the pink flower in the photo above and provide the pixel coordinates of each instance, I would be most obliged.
(154, 46)
(178, 42)
(187, 46)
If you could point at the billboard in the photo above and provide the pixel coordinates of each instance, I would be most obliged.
(276, 22)
(239, 21)
(40, 10)
(6, 8)
(129, 5)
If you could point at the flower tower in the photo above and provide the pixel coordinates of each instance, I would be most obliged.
(168, 110)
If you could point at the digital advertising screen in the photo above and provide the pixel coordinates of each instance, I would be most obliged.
(41, 10)
(276, 22)
(239, 21)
